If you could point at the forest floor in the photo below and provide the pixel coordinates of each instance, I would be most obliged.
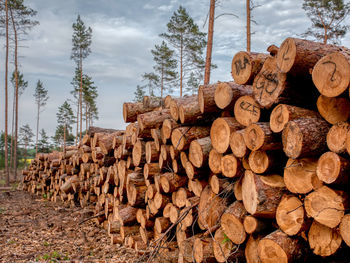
(33, 229)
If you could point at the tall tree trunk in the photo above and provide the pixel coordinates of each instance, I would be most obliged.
(86, 117)
(210, 42)
(77, 135)
(16, 93)
(6, 96)
(81, 97)
(181, 66)
(64, 138)
(162, 83)
(13, 126)
(325, 35)
(37, 129)
(25, 155)
(248, 26)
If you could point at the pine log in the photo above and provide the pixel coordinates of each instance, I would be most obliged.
(231, 166)
(182, 137)
(227, 93)
(197, 186)
(161, 224)
(215, 161)
(253, 225)
(127, 215)
(284, 113)
(136, 194)
(165, 152)
(332, 168)
(203, 250)
(246, 110)
(246, 65)
(219, 185)
(177, 168)
(152, 119)
(155, 133)
(175, 104)
(190, 113)
(262, 194)
(93, 129)
(151, 152)
(290, 215)
(326, 206)
(232, 222)
(168, 126)
(139, 153)
(152, 102)
(300, 175)
(251, 250)
(279, 247)
(237, 189)
(336, 137)
(199, 151)
(305, 137)
(344, 229)
(333, 110)
(170, 182)
(160, 201)
(331, 73)
(150, 170)
(206, 99)
(258, 136)
(323, 241)
(264, 161)
(132, 110)
(237, 144)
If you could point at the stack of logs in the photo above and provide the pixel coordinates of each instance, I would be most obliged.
(254, 170)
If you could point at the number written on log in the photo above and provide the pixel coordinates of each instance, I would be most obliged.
(247, 106)
(267, 83)
(239, 65)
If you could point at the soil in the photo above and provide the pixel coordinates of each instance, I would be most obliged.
(33, 229)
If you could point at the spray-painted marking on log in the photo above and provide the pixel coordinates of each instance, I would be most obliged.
(268, 83)
(335, 68)
(279, 115)
(247, 106)
(239, 66)
(285, 52)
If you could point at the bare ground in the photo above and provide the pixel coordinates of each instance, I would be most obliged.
(33, 229)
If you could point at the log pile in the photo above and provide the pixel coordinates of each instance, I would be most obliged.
(256, 169)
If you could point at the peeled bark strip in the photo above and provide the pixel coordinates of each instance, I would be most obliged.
(203, 250)
(175, 104)
(300, 175)
(220, 132)
(206, 98)
(336, 137)
(182, 137)
(332, 168)
(232, 222)
(227, 93)
(344, 229)
(246, 65)
(333, 110)
(258, 136)
(284, 113)
(199, 151)
(152, 119)
(246, 110)
(237, 144)
(326, 206)
(297, 56)
(262, 194)
(331, 74)
(262, 161)
(278, 247)
(290, 215)
(323, 241)
(231, 166)
(210, 208)
(305, 137)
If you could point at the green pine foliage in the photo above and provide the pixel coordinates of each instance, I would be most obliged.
(81, 41)
(139, 93)
(44, 143)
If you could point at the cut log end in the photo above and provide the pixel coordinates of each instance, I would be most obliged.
(246, 110)
(286, 55)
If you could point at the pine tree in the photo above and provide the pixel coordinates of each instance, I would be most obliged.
(59, 139)
(43, 144)
(65, 117)
(184, 35)
(26, 136)
(165, 67)
(152, 82)
(41, 98)
(326, 17)
(139, 93)
(193, 83)
(81, 41)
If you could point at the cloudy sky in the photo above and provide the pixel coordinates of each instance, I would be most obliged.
(124, 32)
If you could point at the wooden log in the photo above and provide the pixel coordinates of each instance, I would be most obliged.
(251, 250)
(331, 73)
(161, 224)
(290, 215)
(177, 168)
(264, 161)
(232, 222)
(253, 225)
(246, 110)
(305, 137)
(150, 170)
(227, 93)
(152, 102)
(93, 129)
(344, 229)
(215, 161)
(127, 215)
(146, 236)
(210, 208)
(167, 127)
(246, 65)
(336, 137)
(206, 99)
(332, 168)
(300, 175)
(155, 133)
(181, 196)
(190, 113)
(333, 110)
(279, 247)
(258, 136)
(203, 250)
(219, 185)
(165, 152)
(170, 182)
(139, 153)
(151, 152)
(160, 200)
(197, 186)
(231, 166)
(182, 137)
(199, 151)
(262, 194)
(175, 104)
(323, 241)
(132, 110)
(237, 144)
(126, 231)
(152, 119)
(326, 206)
(136, 194)
(220, 132)
(284, 113)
